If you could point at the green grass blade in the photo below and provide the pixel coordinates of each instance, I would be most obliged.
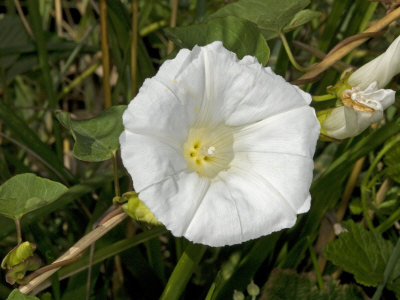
(183, 271)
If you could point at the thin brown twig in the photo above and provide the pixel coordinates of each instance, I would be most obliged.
(58, 13)
(355, 37)
(339, 65)
(343, 51)
(22, 16)
(76, 249)
(105, 54)
(55, 265)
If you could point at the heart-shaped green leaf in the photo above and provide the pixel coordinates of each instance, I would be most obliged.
(96, 139)
(237, 35)
(24, 193)
(271, 16)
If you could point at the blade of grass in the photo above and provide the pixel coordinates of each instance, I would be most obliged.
(36, 24)
(104, 253)
(388, 270)
(29, 138)
(105, 55)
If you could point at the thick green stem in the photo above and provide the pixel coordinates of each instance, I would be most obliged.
(183, 271)
(326, 97)
(19, 233)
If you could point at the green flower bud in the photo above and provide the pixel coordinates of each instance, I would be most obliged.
(238, 295)
(253, 289)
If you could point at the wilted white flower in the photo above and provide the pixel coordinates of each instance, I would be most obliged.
(220, 149)
(361, 109)
(365, 100)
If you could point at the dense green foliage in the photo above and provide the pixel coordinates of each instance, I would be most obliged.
(60, 168)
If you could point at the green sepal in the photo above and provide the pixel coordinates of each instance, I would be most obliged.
(18, 254)
(136, 209)
(341, 85)
(17, 273)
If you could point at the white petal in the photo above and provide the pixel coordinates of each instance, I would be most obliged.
(148, 159)
(345, 122)
(175, 200)
(291, 132)
(381, 69)
(243, 92)
(247, 208)
(290, 175)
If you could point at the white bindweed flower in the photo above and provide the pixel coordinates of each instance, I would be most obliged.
(365, 100)
(220, 149)
(361, 109)
(381, 69)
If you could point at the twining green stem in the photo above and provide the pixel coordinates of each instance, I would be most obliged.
(19, 233)
(326, 97)
(105, 55)
(388, 222)
(172, 24)
(388, 270)
(364, 184)
(183, 271)
(315, 265)
(152, 27)
(76, 51)
(115, 170)
(78, 80)
(290, 54)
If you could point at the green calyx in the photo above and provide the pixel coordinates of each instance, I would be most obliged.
(18, 255)
(341, 85)
(136, 209)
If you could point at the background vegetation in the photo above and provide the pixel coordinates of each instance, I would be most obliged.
(62, 61)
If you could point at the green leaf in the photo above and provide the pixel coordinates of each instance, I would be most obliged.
(392, 161)
(362, 253)
(287, 284)
(237, 35)
(17, 295)
(26, 192)
(96, 139)
(12, 34)
(271, 16)
(301, 18)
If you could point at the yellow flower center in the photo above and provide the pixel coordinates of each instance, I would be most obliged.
(208, 150)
